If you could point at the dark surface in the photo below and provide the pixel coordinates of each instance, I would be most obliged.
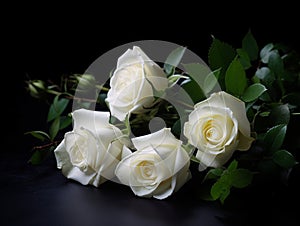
(41, 195)
(44, 47)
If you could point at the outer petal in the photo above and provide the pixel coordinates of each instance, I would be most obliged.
(237, 107)
(123, 169)
(244, 142)
(82, 177)
(61, 155)
(70, 171)
(215, 161)
(163, 136)
(90, 120)
(133, 56)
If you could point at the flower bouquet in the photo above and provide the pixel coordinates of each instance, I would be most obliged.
(145, 112)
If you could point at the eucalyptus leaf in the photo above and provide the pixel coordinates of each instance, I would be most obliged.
(284, 159)
(265, 52)
(235, 78)
(57, 108)
(280, 115)
(174, 59)
(268, 166)
(253, 92)
(266, 75)
(276, 63)
(54, 128)
(274, 137)
(249, 44)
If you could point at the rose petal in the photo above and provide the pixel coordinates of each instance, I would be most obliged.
(82, 177)
(237, 107)
(90, 120)
(163, 136)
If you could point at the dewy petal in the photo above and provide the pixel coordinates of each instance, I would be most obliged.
(90, 120)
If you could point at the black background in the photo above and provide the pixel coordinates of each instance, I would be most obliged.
(49, 41)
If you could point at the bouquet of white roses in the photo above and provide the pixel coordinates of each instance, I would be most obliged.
(145, 124)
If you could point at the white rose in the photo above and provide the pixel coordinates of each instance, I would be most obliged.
(89, 154)
(158, 168)
(131, 84)
(217, 127)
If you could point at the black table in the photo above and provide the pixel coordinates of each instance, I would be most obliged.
(41, 195)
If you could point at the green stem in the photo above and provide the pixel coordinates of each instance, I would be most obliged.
(102, 88)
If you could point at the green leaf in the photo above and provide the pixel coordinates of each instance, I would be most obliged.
(194, 86)
(276, 63)
(54, 128)
(266, 75)
(244, 58)
(241, 178)
(65, 121)
(265, 52)
(284, 159)
(233, 165)
(224, 195)
(220, 190)
(274, 137)
(176, 128)
(211, 81)
(40, 155)
(280, 115)
(220, 55)
(57, 108)
(193, 90)
(253, 92)
(174, 59)
(249, 44)
(235, 78)
(213, 174)
(268, 166)
(39, 135)
(101, 99)
(36, 158)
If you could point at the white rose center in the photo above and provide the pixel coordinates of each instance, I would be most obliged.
(147, 170)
